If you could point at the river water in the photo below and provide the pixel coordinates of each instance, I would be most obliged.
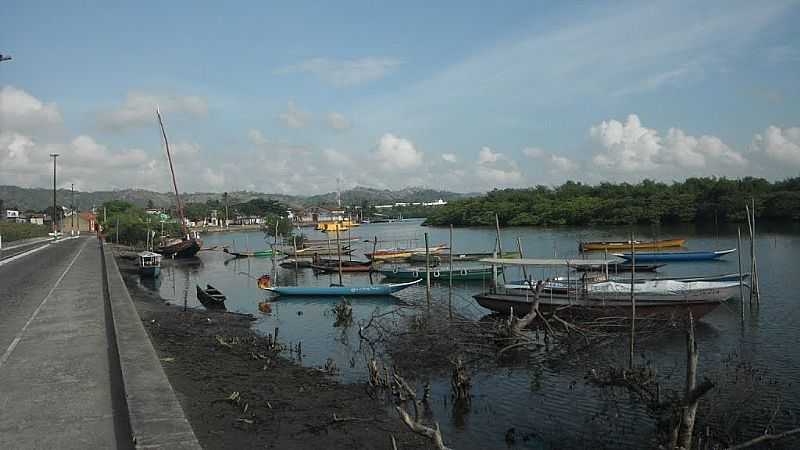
(547, 406)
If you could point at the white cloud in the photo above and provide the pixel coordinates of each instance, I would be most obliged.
(533, 152)
(21, 111)
(496, 170)
(780, 145)
(343, 73)
(449, 157)
(337, 158)
(256, 137)
(486, 155)
(139, 108)
(294, 117)
(561, 164)
(397, 153)
(634, 149)
(338, 121)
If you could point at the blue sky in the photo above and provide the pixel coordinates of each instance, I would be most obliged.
(456, 95)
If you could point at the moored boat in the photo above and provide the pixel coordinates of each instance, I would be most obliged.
(264, 282)
(253, 253)
(675, 256)
(332, 265)
(459, 274)
(591, 246)
(149, 264)
(211, 297)
(620, 266)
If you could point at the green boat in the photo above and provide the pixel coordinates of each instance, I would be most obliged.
(253, 254)
(463, 274)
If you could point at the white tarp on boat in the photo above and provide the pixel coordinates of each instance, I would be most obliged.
(660, 287)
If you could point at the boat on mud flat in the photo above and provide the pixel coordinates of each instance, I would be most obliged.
(264, 282)
(675, 256)
(149, 264)
(211, 297)
(593, 246)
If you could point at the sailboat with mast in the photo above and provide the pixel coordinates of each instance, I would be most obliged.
(187, 245)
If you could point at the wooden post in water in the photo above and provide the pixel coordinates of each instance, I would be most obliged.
(739, 254)
(752, 254)
(754, 275)
(339, 253)
(525, 269)
(499, 247)
(633, 302)
(427, 272)
(450, 296)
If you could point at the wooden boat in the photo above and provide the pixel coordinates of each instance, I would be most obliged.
(688, 279)
(317, 250)
(188, 244)
(462, 274)
(474, 256)
(593, 246)
(619, 267)
(332, 265)
(402, 253)
(149, 264)
(211, 297)
(264, 282)
(323, 242)
(676, 256)
(253, 254)
(291, 263)
(521, 304)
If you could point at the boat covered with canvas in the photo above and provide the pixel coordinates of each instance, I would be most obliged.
(458, 274)
(675, 256)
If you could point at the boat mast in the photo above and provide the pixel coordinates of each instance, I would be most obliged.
(178, 203)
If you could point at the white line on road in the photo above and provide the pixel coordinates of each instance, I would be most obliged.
(18, 337)
(23, 254)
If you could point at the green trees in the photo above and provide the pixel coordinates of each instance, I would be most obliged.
(129, 224)
(694, 200)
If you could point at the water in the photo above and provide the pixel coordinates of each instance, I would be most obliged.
(547, 406)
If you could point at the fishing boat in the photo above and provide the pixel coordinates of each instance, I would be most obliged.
(592, 246)
(332, 265)
(675, 256)
(149, 264)
(211, 297)
(620, 266)
(462, 274)
(317, 250)
(188, 244)
(292, 263)
(264, 282)
(403, 253)
(687, 279)
(475, 256)
(322, 242)
(253, 254)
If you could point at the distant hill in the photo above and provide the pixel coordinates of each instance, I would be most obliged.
(37, 199)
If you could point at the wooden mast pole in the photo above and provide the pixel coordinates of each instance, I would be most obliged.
(339, 252)
(633, 302)
(739, 254)
(499, 248)
(427, 271)
(178, 203)
(450, 297)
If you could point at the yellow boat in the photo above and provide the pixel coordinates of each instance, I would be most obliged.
(593, 246)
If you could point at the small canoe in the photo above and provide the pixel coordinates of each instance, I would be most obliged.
(377, 289)
(211, 297)
(471, 274)
(252, 254)
(676, 256)
(593, 246)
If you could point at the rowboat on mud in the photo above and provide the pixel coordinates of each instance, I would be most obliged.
(675, 256)
(211, 297)
(592, 246)
(264, 282)
(463, 274)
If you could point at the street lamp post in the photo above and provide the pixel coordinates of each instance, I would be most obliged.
(54, 156)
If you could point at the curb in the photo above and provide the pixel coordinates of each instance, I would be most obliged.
(155, 415)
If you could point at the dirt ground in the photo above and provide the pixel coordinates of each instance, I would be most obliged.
(237, 392)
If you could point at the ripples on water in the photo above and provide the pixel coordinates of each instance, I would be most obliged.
(547, 407)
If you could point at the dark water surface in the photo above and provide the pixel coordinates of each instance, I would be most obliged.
(548, 406)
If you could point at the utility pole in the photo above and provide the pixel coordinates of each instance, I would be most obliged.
(54, 156)
(72, 208)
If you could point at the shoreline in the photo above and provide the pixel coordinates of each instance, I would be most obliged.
(239, 392)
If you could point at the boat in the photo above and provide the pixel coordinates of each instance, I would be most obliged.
(292, 263)
(332, 265)
(687, 279)
(317, 250)
(620, 266)
(211, 297)
(475, 256)
(188, 244)
(644, 290)
(403, 253)
(462, 274)
(149, 264)
(675, 256)
(593, 246)
(264, 282)
(322, 242)
(253, 254)
(434, 259)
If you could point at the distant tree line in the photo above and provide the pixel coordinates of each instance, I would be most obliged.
(649, 202)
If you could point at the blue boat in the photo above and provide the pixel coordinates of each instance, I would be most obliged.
(376, 289)
(675, 256)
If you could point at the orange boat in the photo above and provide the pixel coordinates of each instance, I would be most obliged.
(593, 246)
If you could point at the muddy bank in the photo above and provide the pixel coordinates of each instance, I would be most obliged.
(238, 392)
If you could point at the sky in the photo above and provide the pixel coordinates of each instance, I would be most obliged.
(289, 97)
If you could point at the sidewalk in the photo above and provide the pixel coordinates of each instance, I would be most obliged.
(55, 388)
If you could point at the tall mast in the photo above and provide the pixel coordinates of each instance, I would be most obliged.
(178, 203)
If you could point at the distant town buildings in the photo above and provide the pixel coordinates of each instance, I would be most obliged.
(439, 202)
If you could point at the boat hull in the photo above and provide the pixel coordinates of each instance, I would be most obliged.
(150, 272)
(521, 305)
(185, 248)
(626, 245)
(674, 256)
(349, 291)
(440, 275)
